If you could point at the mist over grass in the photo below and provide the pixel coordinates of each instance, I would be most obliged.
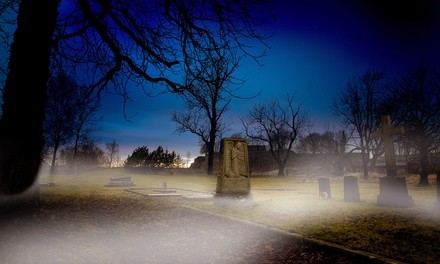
(292, 204)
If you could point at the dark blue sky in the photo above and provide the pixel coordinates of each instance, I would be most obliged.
(316, 48)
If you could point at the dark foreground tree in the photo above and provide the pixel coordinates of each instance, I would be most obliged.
(105, 42)
(278, 125)
(24, 95)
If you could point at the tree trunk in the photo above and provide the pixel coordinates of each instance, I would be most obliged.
(373, 162)
(281, 169)
(54, 158)
(424, 165)
(211, 148)
(365, 165)
(210, 168)
(24, 96)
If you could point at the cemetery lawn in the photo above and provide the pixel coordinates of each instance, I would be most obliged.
(291, 204)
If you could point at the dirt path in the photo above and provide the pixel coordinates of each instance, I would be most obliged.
(114, 229)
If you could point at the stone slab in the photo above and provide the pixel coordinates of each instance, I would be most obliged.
(351, 189)
(324, 188)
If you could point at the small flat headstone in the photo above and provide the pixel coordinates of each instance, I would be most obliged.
(120, 182)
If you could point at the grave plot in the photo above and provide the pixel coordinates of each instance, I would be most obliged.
(170, 192)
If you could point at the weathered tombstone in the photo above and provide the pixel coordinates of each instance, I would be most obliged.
(324, 188)
(392, 189)
(233, 180)
(351, 189)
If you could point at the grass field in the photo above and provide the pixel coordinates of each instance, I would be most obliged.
(292, 204)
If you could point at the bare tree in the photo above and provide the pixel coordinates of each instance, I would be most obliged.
(416, 99)
(312, 143)
(105, 43)
(360, 105)
(207, 97)
(85, 119)
(60, 109)
(113, 150)
(331, 143)
(277, 125)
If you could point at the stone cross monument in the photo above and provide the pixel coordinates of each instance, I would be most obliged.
(392, 189)
(234, 176)
(386, 133)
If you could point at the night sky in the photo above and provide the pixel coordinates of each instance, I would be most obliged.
(316, 48)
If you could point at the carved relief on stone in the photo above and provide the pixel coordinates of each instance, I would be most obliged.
(235, 160)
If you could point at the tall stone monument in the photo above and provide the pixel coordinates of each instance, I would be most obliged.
(392, 189)
(234, 177)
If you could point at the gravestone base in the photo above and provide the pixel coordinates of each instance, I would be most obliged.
(233, 187)
(234, 199)
(393, 193)
(351, 189)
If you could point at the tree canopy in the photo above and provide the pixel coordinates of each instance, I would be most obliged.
(117, 43)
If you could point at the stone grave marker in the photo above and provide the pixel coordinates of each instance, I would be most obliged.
(392, 189)
(233, 180)
(324, 188)
(119, 182)
(351, 189)
(164, 189)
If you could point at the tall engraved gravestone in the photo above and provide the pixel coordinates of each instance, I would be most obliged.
(234, 177)
(392, 189)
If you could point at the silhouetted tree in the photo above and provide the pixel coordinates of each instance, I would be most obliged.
(158, 158)
(113, 150)
(277, 125)
(60, 110)
(85, 119)
(360, 106)
(312, 143)
(207, 98)
(105, 42)
(416, 101)
(87, 154)
(333, 144)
